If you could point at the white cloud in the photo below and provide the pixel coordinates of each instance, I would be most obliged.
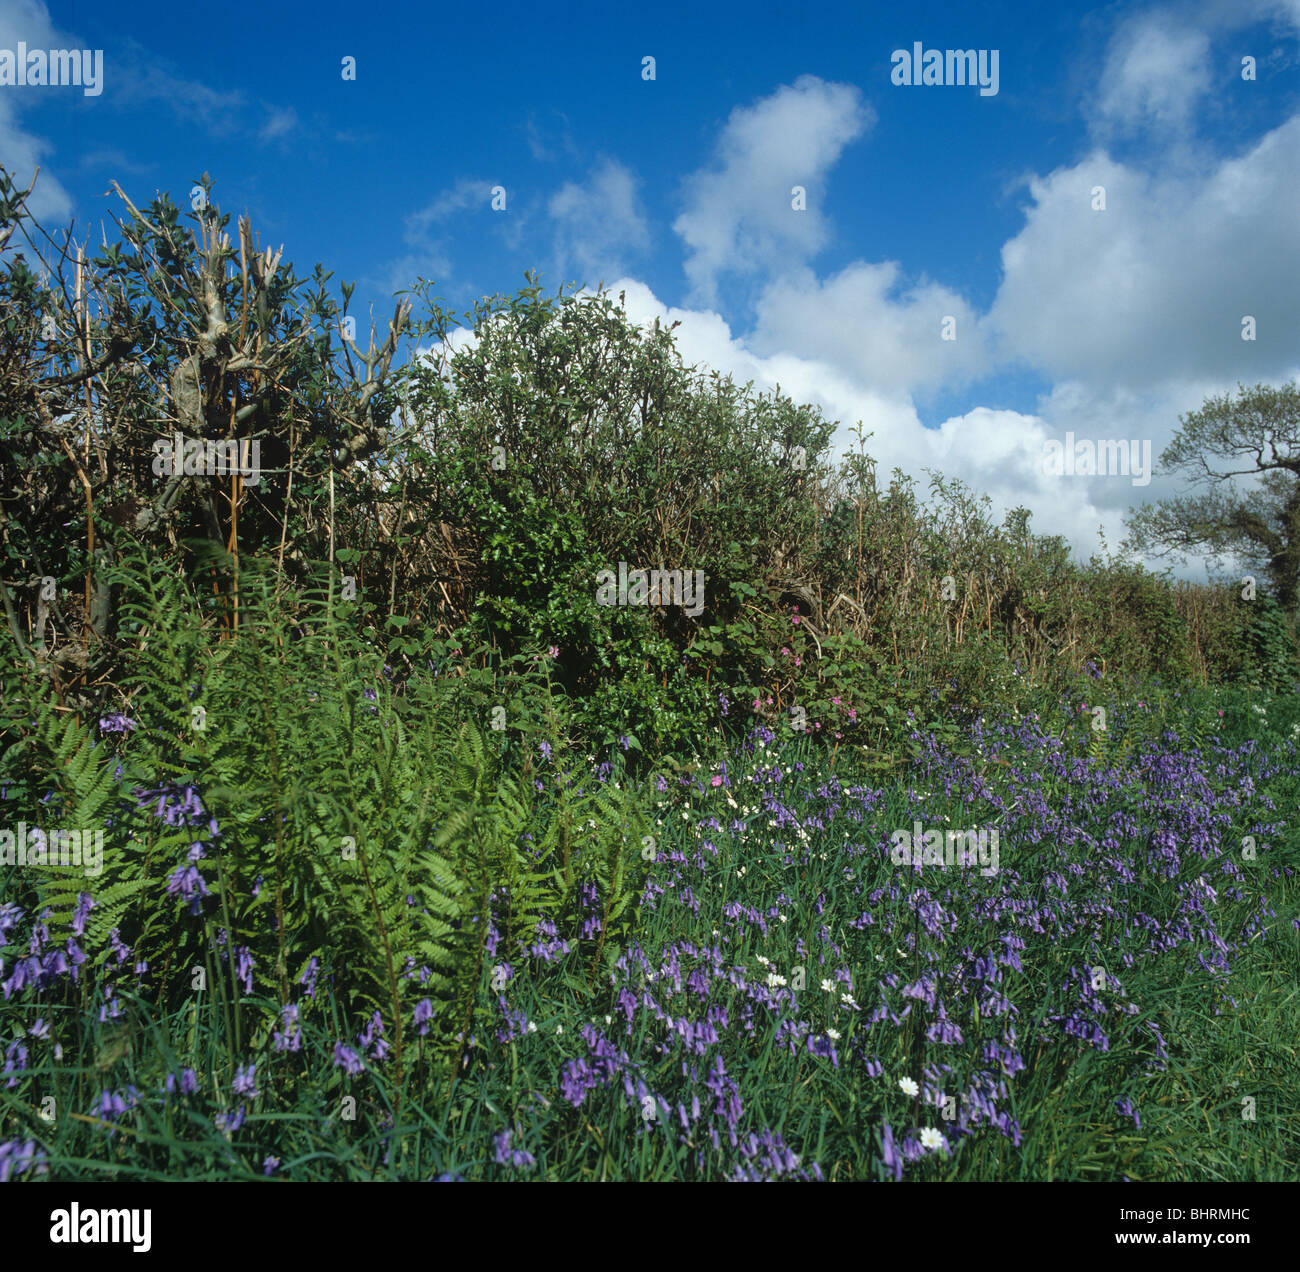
(20, 149)
(738, 215)
(597, 224)
(1155, 286)
(1157, 67)
(29, 21)
(23, 152)
(467, 193)
(140, 79)
(428, 254)
(279, 123)
(870, 325)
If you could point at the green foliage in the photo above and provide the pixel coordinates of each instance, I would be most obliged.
(1268, 648)
(363, 820)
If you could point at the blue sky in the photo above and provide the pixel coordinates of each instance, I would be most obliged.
(923, 202)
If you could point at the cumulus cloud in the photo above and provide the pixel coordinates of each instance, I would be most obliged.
(866, 321)
(1156, 286)
(23, 153)
(738, 216)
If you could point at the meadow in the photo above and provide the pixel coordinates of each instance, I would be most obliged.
(473, 955)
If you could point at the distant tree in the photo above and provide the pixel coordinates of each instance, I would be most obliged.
(1226, 440)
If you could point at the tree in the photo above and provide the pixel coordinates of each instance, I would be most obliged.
(168, 331)
(1259, 522)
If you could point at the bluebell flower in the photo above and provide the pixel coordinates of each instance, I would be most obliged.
(288, 1037)
(85, 903)
(890, 1155)
(308, 978)
(347, 1059)
(188, 1082)
(186, 882)
(20, 1157)
(244, 967)
(515, 1158)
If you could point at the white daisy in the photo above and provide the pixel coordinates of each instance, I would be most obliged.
(932, 1139)
(828, 986)
(907, 1086)
(833, 1035)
